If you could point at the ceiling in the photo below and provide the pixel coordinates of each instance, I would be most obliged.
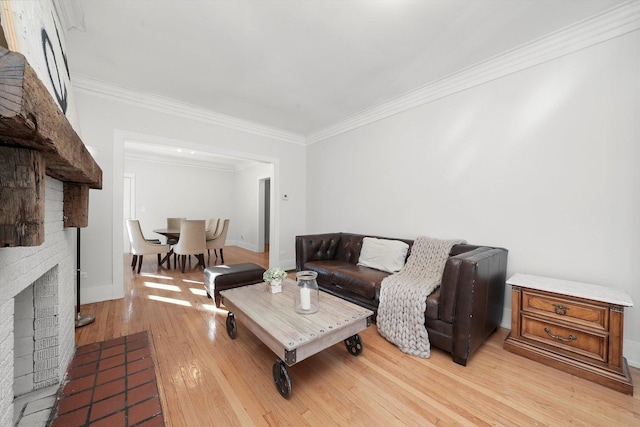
(299, 66)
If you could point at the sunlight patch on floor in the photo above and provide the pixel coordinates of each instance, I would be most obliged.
(211, 332)
(212, 308)
(196, 291)
(197, 282)
(173, 288)
(170, 300)
(156, 276)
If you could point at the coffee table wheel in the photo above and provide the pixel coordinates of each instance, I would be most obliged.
(281, 378)
(354, 344)
(232, 327)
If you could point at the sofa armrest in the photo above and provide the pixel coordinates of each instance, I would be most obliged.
(479, 298)
(316, 247)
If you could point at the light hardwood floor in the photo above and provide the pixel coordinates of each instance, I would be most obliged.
(207, 379)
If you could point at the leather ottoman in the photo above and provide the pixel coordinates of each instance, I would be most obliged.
(230, 276)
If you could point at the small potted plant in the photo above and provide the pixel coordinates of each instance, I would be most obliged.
(274, 277)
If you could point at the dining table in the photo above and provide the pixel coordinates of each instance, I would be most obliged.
(169, 232)
(174, 233)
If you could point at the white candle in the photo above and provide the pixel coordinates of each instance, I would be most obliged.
(305, 298)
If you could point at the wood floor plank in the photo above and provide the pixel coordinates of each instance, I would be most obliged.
(205, 378)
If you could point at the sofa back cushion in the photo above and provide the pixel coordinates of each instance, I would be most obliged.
(349, 247)
(317, 247)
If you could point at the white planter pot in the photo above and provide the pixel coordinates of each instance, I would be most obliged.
(275, 286)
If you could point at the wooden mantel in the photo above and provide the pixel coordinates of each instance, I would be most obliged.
(37, 139)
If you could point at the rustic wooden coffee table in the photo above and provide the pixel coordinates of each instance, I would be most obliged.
(291, 336)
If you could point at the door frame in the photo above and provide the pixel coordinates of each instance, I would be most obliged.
(119, 138)
(262, 211)
(130, 179)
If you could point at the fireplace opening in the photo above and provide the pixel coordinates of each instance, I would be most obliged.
(36, 349)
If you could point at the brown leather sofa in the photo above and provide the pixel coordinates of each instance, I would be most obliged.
(461, 313)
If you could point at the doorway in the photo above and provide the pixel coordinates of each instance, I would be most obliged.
(264, 214)
(119, 139)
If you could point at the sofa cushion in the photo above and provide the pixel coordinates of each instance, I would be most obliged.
(325, 269)
(383, 254)
(358, 279)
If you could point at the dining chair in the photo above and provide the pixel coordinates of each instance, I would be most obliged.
(191, 242)
(141, 246)
(212, 228)
(175, 224)
(218, 241)
(135, 258)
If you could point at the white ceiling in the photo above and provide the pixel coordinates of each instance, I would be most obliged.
(300, 66)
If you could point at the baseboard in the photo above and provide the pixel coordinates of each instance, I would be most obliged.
(631, 349)
(506, 319)
(288, 264)
(244, 245)
(91, 294)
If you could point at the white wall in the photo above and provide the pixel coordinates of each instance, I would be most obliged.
(543, 162)
(107, 123)
(245, 230)
(166, 190)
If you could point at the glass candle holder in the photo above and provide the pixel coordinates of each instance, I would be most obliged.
(307, 295)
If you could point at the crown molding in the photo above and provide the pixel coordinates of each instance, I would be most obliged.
(70, 13)
(604, 26)
(149, 101)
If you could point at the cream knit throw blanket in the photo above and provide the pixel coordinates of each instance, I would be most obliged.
(403, 296)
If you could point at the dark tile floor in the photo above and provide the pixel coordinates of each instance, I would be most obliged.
(110, 383)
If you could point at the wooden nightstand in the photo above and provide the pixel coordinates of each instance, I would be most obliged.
(574, 327)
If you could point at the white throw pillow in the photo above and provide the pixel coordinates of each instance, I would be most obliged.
(382, 254)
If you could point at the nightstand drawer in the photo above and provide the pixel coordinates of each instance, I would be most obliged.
(579, 313)
(569, 340)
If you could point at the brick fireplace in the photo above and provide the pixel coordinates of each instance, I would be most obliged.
(45, 176)
(37, 292)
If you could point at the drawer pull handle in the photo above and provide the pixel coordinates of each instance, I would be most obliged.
(560, 309)
(560, 338)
